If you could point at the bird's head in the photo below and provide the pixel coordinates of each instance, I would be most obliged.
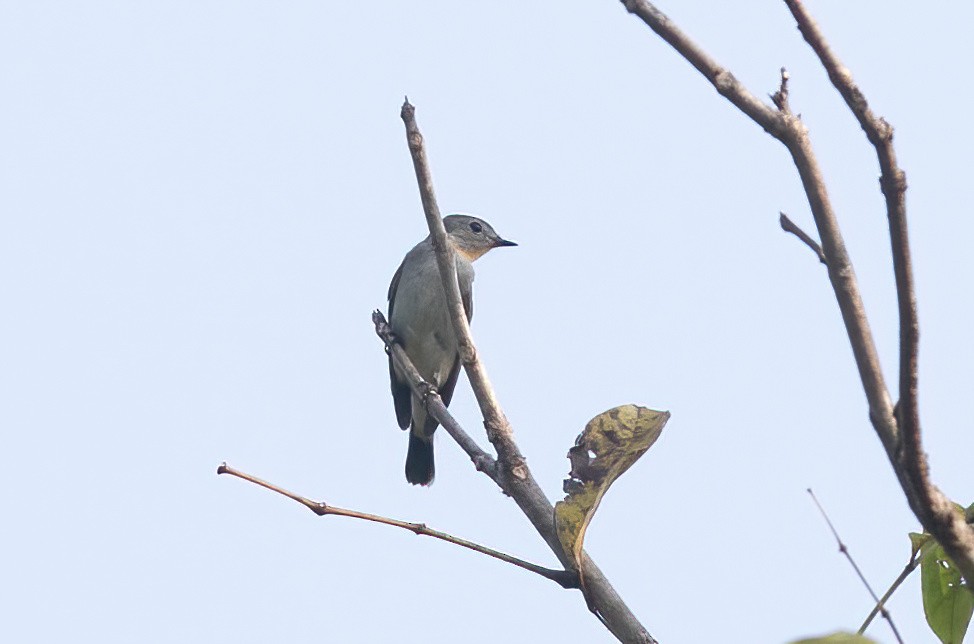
(471, 236)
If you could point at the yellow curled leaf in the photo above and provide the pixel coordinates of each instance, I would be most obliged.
(610, 444)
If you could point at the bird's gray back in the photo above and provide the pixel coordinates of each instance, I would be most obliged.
(419, 315)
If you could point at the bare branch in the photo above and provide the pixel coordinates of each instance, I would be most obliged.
(789, 129)
(514, 477)
(498, 428)
(483, 461)
(725, 82)
(909, 568)
(899, 433)
(844, 550)
(932, 508)
(564, 578)
(791, 227)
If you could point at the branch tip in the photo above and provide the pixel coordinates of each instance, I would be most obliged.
(408, 110)
(780, 98)
(789, 226)
(845, 551)
(320, 508)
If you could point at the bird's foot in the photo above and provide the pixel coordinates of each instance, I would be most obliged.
(427, 390)
(390, 339)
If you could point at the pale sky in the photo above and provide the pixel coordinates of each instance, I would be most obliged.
(203, 202)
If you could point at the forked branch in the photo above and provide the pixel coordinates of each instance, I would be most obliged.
(899, 432)
(483, 461)
(512, 474)
(934, 510)
(498, 428)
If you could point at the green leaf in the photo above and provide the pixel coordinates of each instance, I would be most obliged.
(947, 603)
(610, 444)
(837, 638)
(917, 541)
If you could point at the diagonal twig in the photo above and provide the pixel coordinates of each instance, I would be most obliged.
(845, 550)
(513, 475)
(564, 578)
(790, 130)
(932, 508)
(498, 428)
(791, 227)
(483, 461)
(909, 568)
(899, 429)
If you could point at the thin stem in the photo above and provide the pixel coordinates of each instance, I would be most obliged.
(564, 578)
(499, 430)
(483, 461)
(791, 227)
(790, 130)
(900, 434)
(929, 504)
(907, 570)
(513, 476)
(844, 550)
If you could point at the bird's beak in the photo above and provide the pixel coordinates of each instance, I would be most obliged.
(503, 242)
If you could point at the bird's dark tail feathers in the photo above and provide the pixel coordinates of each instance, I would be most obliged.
(419, 460)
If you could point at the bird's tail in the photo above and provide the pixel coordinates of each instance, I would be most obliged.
(419, 460)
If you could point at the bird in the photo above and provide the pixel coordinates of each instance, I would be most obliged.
(420, 322)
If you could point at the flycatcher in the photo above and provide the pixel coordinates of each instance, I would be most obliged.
(419, 317)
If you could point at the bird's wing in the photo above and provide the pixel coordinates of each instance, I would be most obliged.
(401, 395)
(446, 391)
(466, 296)
(393, 287)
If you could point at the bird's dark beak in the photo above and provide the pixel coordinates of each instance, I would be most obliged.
(503, 242)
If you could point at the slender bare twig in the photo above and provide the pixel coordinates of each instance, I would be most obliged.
(791, 227)
(483, 461)
(934, 511)
(845, 550)
(793, 134)
(780, 98)
(932, 508)
(513, 475)
(498, 428)
(909, 568)
(564, 578)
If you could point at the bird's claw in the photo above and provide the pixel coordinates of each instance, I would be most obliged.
(428, 390)
(390, 339)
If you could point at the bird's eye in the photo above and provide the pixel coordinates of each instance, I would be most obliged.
(476, 227)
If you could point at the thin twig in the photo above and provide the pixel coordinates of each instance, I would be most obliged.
(909, 568)
(483, 461)
(564, 578)
(513, 475)
(780, 98)
(790, 130)
(905, 453)
(791, 227)
(498, 428)
(844, 550)
(931, 507)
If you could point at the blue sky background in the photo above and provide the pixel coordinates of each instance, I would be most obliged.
(203, 201)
